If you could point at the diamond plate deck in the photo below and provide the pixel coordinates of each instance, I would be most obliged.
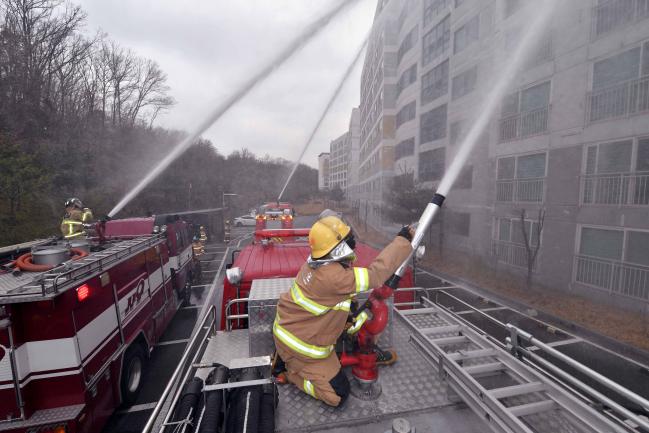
(409, 386)
(45, 416)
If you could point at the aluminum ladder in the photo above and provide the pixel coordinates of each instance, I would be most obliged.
(511, 395)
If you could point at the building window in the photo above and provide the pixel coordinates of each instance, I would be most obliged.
(542, 51)
(408, 42)
(456, 132)
(434, 83)
(432, 164)
(407, 113)
(615, 260)
(464, 83)
(405, 148)
(408, 77)
(458, 223)
(436, 41)
(617, 173)
(511, 6)
(609, 15)
(525, 113)
(521, 178)
(465, 179)
(432, 8)
(432, 125)
(509, 240)
(467, 34)
(620, 85)
(405, 11)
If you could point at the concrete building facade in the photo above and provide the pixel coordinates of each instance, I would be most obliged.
(564, 161)
(338, 160)
(323, 171)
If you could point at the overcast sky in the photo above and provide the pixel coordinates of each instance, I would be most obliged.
(207, 47)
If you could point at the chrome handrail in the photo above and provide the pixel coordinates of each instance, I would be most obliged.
(229, 317)
(177, 372)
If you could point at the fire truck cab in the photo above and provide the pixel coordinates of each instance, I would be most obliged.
(78, 324)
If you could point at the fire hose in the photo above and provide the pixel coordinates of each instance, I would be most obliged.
(24, 262)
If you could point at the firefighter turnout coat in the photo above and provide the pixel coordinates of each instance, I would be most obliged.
(73, 221)
(312, 315)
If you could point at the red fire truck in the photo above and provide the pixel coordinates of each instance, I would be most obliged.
(79, 320)
(282, 212)
(276, 254)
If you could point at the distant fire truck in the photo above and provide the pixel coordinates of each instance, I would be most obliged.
(275, 211)
(278, 254)
(79, 320)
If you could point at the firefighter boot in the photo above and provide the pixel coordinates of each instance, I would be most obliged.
(278, 369)
(385, 357)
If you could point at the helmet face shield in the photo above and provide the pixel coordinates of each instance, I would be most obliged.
(342, 251)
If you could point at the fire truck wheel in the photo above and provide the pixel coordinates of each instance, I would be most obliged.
(132, 372)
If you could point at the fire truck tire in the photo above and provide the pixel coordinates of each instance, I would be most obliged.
(132, 373)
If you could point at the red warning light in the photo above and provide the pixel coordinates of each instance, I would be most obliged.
(83, 292)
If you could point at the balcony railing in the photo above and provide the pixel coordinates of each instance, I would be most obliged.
(622, 189)
(627, 98)
(510, 253)
(614, 276)
(524, 124)
(520, 190)
(612, 14)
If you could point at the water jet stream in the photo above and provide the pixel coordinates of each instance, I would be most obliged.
(326, 110)
(531, 36)
(286, 53)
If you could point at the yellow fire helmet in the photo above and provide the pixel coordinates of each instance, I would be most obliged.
(325, 234)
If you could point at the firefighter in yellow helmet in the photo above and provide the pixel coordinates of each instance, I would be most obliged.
(76, 218)
(313, 314)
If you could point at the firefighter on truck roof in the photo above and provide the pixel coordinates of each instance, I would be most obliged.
(76, 218)
(313, 314)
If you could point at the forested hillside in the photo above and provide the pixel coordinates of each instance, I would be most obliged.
(76, 119)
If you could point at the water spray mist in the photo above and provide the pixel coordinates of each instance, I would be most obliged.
(309, 33)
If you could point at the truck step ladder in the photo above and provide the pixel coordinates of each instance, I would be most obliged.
(511, 395)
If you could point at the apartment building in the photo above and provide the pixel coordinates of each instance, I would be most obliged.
(378, 112)
(323, 171)
(564, 163)
(338, 156)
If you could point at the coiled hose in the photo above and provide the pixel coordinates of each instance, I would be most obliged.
(211, 417)
(245, 406)
(24, 262)
(187, 406)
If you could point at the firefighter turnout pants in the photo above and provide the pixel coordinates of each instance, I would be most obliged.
(322, 379)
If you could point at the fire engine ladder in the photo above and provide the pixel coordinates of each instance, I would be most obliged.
(95, 263)
(511, 395)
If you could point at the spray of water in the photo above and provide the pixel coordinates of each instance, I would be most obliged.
(333, 98)
(530, 39)
(307, 34)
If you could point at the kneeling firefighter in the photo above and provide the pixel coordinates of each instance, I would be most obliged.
(313, 314)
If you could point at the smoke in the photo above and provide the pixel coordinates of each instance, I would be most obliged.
(309, 33)
(326, 110)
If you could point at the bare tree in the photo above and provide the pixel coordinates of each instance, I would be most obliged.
(532, 248)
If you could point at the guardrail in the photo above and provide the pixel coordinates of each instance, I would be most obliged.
(524, 124)
(229, 317)
(612, 14)
(510, 253)
(520, 190)
(613, 276)
(208, 325)
(615, 188)
(623, 99)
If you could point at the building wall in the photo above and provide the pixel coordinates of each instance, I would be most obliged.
(338, 161)
(545, 148)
